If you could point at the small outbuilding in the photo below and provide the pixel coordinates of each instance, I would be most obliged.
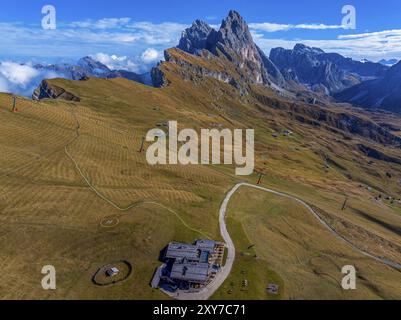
(112, 272)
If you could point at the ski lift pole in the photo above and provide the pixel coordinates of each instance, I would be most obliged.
(345, 204)
(260, 178)
(14, 104)
(142, 145)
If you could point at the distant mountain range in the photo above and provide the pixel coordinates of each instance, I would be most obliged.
(382, 93)
(389, 62)
(321, 71)
(88, 67)
(364, 83)
(312, 67)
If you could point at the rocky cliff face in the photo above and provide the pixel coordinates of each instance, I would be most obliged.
(195, 38)
(49, 91)
(196, 71)
(317, 69)
(233, 41)
(383, 93)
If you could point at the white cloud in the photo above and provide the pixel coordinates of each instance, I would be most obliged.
(164, 27)
(79, 38)
(269, 27)
(139, 64)
(274, 27)
(320, 26)
(17, 74)
(109, 59)
(166, 33)
(3, 85)
(379, 35)
(106, 23)
(150, 56)
(115, 62)
(145, 31)
(21, 78)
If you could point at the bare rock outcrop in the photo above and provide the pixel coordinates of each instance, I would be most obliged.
(47, 90)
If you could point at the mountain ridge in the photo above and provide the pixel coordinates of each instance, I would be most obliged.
(233, 41)
(383, 93)
(89, 67)
(318, 69)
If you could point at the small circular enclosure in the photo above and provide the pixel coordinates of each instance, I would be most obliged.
(110, 222)
(112, 273)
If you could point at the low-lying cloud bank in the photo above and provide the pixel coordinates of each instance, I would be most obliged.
(21, 79)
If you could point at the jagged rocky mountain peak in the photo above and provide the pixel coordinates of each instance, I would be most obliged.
(235, 25)
(201, 25)
(90, 63)
(233, 41)
(301, 48)
(195, 38)
(234, 33)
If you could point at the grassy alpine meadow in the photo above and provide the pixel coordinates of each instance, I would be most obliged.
(56, 195)
(251, 157)
(76, 193)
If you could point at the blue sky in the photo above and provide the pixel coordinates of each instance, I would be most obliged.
(135, 33)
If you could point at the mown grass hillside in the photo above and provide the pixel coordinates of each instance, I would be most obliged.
(69, 167)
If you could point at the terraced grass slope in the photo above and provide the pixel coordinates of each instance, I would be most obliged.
(76, 193)
(51, 214)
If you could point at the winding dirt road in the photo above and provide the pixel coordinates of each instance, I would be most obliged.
(208, 291)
